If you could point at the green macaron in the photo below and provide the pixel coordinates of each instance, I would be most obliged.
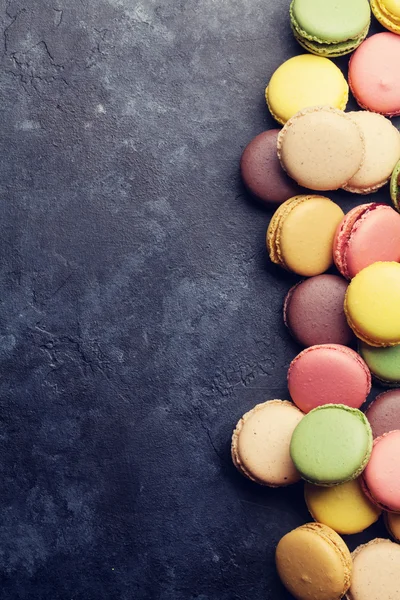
(395, 187)
(331, 445)
(330, 28)
(384, 363)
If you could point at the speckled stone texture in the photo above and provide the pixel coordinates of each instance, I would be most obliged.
(139, 315)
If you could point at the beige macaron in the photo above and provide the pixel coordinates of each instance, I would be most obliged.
(376, 571)
(261, 441)
(382, 151)
(321, 148)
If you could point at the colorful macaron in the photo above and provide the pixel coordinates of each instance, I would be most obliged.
(382, 151)
(300, 234)
(304, 81)
(374, 74)
(367, 234)
(261, 440)
(330, 28)
(321, 148)
(328, 374)
(331, 444)
(376, 568)
(381, 478)
(345, 508)
(395, 187)
(372, 304)
(388, 13)
(314, 314)
(392, 523)
(314, 563)
(383, 413)
(384, 363)
(262, 172)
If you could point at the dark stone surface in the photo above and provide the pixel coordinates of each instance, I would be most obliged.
(139, 316)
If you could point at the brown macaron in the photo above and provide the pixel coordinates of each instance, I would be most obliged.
(261, 442)
(314, 314)
(383, 413)
(262, 172)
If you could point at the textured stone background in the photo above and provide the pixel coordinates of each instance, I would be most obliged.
(139, 316)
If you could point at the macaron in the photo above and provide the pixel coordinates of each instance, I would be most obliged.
(314, 563)
(262, 172)
(261, 440)
(392, 523)
(395, 187)
(331, 445)
(314, 314)
(382, 151)
(367, 234)
(387, 12)
(372, 304)
(345, 508)
(330, 28)
(321, 148)
(384, 363)
(383, 413)
(381, 478)
(300, 234)
(374, 74)
(328, 374)
(376, 568)
(304, 81)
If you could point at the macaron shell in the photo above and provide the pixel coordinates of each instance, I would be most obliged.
(384, 413)
(382, 151)
(303, 81)
(328, 374)
(372, 304)
(381, 477)
(331, 21)
(374, 74)
(321, 148)
(368, 234)
(331, 445)
(332, 50)
(392, 522)
(344, 507)
(314, 314)
(376, 568)
(388, 13)
(314, 563)
(261, 440)
(384, 363)
(262, 172)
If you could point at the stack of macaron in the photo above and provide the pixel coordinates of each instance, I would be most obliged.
(346, 450)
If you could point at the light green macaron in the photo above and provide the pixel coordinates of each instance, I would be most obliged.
(331, 444)
(384, 363)
(395, 187)
(331, 27)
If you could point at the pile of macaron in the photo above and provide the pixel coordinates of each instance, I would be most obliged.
(345, 450)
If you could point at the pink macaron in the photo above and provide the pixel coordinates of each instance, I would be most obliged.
(374, 74)
(381, 478)
(368, 233)
(328, 374)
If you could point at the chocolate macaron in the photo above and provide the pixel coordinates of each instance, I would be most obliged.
(383, 413)
(314, 314)
(262, 173)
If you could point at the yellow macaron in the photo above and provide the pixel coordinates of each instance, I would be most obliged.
(388, 13)
(304, 81)
(392, 522)
(372, 304)
(300, 234)
(344, 507)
